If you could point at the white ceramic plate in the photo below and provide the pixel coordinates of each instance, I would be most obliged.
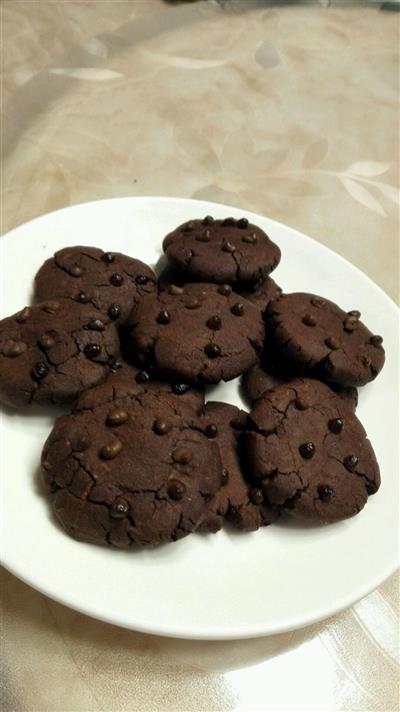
(227, 585)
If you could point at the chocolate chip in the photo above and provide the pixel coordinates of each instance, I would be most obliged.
(256, 496)
(119, 508)
(335, 425)
(251, 239)
(13, 348)
(163, 317)
(225, 290)
(309, 320)
(204, 236)
(161, 427)
(108, 257)
(237, 309)
(212, 350)
(224, 476)
(208, 220)
(114, 310)
(80, 442)
(108, 452)
(332, 343)
(354, 313)
(301, 403)
(211, 430)
(176, 490)
(117, 416)
(214, 322)
(229, 222)
(182, 455)
(23, 315)
(96, 325)
(115, 364)
(243, 223)
(174, 290)
(91, 350)
(350, 462)
(371, 488)
(376, 340)
(46, 341)
(75, 271)
(325, 493)
(317, 302)
(180, 388)
(82, 297)
(51, 307)
(307, 450)
(366, 361)
(142, 377)
(350, 324)
(192, 304)
(116, 279)
(141, 279)
(228, 247)
(40, 370)
(189, 227)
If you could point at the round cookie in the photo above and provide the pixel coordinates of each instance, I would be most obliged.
(112, 282)
(124, 378)
(313, 336)
(200, 333)
(236, 501)
(52, 351)
(260, 378)
(261, 293)
(137, 470)
(309, 453)
(222, 250)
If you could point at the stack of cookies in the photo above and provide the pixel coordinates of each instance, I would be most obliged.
(142, 458)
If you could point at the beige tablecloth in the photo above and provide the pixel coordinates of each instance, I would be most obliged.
(288, 110)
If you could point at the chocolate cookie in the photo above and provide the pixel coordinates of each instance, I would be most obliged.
(110, 281)
(236, 501)
(309, 453)
(137, 470)
(313, 336)
(126, 379)
(260, 378)
(52, 351)
(261, 293)
(222, 250)
(200, 333)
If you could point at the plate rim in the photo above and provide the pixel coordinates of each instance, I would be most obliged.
(168, 630)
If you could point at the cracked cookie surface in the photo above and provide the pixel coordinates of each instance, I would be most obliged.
(52, 351)
(221, 251)
(200, 333)
(136, 469)
(309, 453)
(236, 501)
(125, 378)
(313, 336)
(262, 377)
(110, 281)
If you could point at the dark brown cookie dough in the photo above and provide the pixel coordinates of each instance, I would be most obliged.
(236, 501)
(309, 453)
(221, 250)
(125, 378)
(200, 333)
(261, 293)
(313, 336)
(52, 351)
(260, 378)
(137, 470)
(110, 281)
